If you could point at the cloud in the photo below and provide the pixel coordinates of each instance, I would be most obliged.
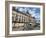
(35, 12)
(34, 9)
(32, 12)
(20, 9)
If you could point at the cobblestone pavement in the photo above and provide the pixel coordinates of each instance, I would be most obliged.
(25, 28)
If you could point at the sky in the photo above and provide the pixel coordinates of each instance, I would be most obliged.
(35, 12)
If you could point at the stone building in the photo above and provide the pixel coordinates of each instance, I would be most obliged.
(26, 21)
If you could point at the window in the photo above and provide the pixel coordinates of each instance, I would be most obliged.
(16, 17)
(12, 18)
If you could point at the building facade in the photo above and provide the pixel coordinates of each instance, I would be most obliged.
(22, 20)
